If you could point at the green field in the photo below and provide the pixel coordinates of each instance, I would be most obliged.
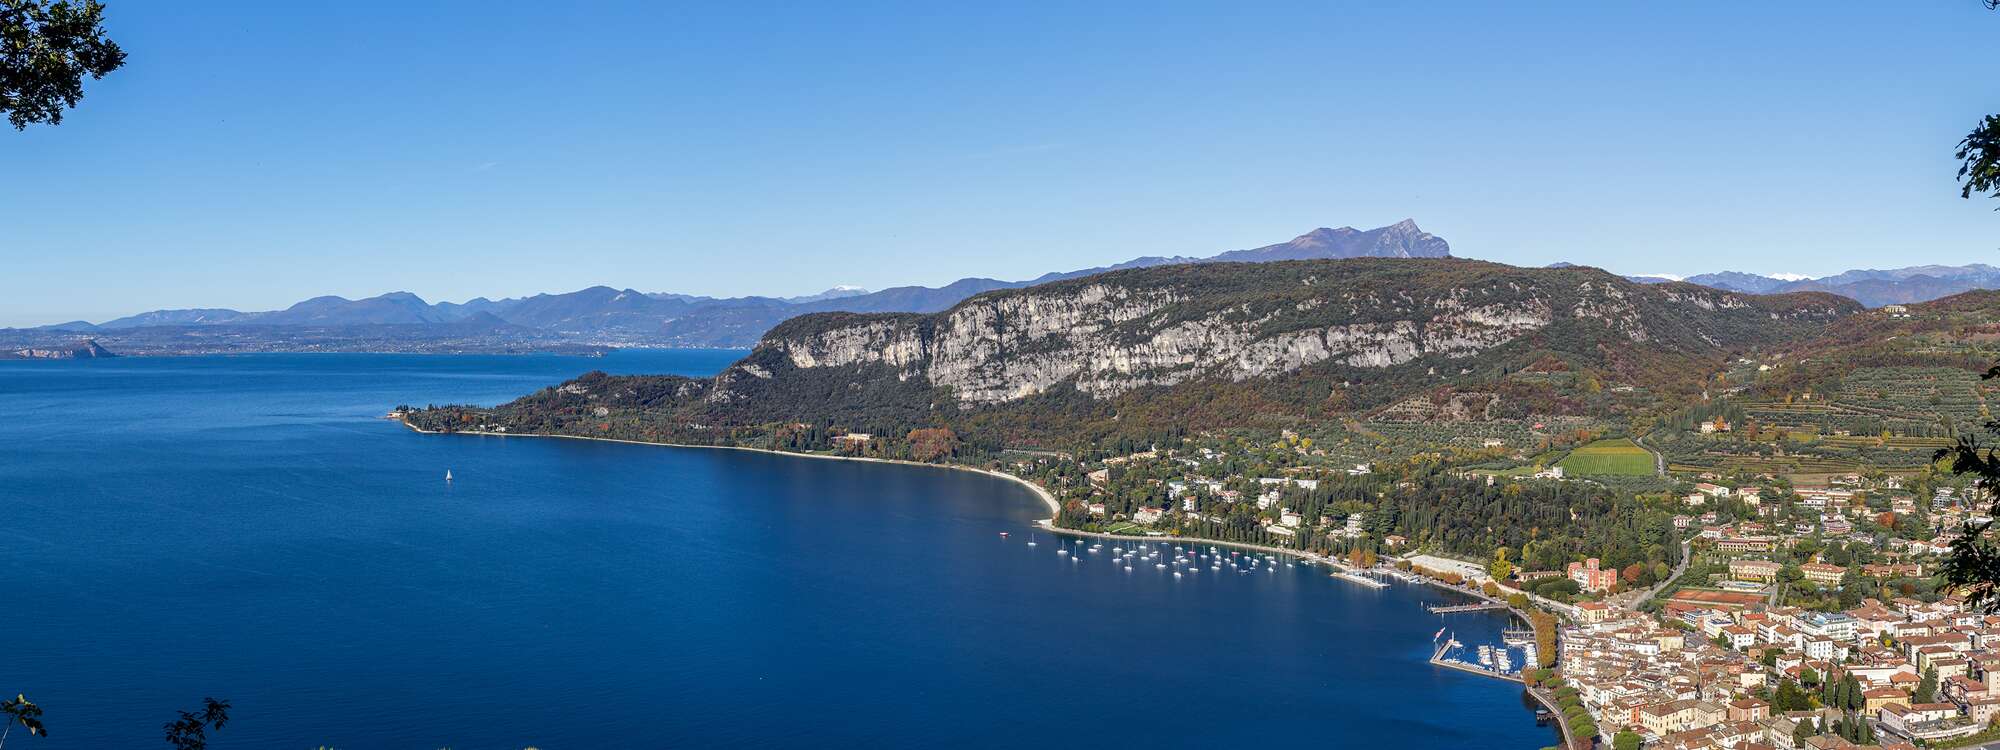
(1619, 457)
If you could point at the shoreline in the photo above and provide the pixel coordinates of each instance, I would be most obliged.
(1046, 498)
(1045, 524)
(1049, 526)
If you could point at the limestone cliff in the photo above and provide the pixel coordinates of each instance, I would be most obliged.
(1112, 333)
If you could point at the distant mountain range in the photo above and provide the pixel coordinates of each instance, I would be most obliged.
(1873, 288)
(603, 315)
(1200, 346)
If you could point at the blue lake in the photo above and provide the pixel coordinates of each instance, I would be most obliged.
(249, 528)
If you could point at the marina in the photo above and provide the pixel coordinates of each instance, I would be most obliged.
(1492, 662)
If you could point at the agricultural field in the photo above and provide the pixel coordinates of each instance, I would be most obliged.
(1907, 402)
(1893, 418)
(1531, 434)
(1618, 457)
(1786, 465)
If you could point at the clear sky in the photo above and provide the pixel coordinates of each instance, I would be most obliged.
(252, 154)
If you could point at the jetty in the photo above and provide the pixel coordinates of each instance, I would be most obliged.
(1438, 658)
(1373, 583)
(1472, 607)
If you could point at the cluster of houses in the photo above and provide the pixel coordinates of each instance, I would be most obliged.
(1830, 512)
(1185, 495)
(1701, 673)
(1673, 682)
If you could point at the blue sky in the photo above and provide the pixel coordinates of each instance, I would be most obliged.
(253, 154)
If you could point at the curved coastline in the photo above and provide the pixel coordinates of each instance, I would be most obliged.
(1046, 524)
(1047, 499)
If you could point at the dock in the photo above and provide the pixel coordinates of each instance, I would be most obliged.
(1361, 579)
(1473, 607)
(1438, 659)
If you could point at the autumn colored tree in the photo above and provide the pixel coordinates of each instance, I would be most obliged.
(1545, 638)
(1500, 568)
(932, 444)
(1632, 573)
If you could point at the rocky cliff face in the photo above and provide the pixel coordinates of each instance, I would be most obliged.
(1115, 332)
(87, 349)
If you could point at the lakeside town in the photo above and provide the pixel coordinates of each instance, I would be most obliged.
(1756, 568)
(1747, 610)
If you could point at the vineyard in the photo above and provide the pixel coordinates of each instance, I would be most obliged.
(1620, 457)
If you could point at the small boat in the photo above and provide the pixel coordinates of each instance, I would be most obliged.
(1031, 540)
(1003, 535)
(447, 475)
(1062, 552)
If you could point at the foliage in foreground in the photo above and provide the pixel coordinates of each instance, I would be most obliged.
(46, 48)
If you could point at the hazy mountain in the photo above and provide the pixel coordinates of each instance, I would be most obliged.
(603, 314)
(1739, 282)
(1399, 240)
(839, 292)
(74, 325)
(1871, 287)
(394, 308)
(199, 316)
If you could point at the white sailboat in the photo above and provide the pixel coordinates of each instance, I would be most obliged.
(447, 475)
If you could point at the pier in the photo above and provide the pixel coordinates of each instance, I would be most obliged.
(1473, 607)
(1361, 579)
(1438, 658)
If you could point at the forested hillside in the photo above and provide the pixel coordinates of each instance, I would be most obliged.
(1161, 351)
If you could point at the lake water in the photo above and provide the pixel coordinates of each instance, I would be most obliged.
(249, 528)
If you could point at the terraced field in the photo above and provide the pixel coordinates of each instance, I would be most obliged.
(1914, 402)
(1515, 434)
(1765, 465)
